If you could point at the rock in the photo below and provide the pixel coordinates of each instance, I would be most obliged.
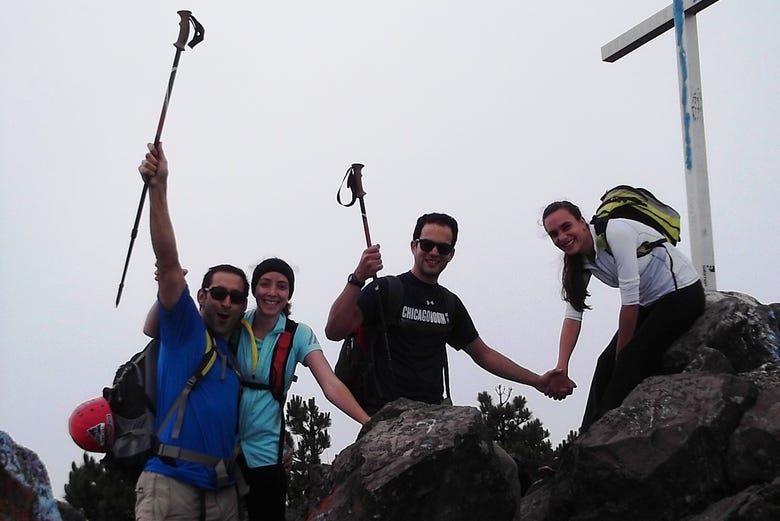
(700, 445)
(670, 435)
(27, 494)
(754, 448)
(419, 461)
(756, 503)
(741, 329)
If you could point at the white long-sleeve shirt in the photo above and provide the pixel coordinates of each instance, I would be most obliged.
(641, 280)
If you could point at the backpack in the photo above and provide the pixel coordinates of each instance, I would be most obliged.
(279, 358)
(132, 399)
(637, 204)
(356, 365)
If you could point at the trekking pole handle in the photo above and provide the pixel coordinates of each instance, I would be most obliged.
(184, 29)
(357, 180)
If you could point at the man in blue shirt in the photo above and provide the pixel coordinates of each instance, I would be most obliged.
(191, 478)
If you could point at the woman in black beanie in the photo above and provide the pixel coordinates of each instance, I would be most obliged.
(265, 330)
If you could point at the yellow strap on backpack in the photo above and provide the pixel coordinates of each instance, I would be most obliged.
(209, 348)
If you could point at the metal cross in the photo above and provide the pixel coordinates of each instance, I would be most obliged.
(681, 16)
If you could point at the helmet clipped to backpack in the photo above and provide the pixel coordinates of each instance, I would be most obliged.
(91, 425)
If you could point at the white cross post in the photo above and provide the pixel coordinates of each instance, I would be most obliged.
(681, 16)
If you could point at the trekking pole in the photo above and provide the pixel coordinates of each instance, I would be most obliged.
(354, 180)
(184, 31)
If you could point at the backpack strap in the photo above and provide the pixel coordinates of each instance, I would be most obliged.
(600, 225)
(449, 305)
(281, 354)
(178, 406)
(276, 371)
(279, 358)
(222, 466)
(388, 307)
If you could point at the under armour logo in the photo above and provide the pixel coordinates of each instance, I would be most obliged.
(430, 303)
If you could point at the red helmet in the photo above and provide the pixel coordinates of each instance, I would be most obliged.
(91, 425)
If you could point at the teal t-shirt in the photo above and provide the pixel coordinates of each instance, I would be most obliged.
(260, 416)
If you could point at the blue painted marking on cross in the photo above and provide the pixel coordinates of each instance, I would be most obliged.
(681, 15)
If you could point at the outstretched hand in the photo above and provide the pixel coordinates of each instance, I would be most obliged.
(556, 384)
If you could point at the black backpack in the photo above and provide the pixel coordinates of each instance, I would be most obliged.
(132, 401)
(356, 365)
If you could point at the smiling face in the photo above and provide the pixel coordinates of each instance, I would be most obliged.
(428, 265)
(570, 234)
(272, 293)
(222, 316)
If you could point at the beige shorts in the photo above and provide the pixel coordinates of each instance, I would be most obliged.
(159, 497)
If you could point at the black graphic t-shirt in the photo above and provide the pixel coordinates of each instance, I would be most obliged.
(417, 333)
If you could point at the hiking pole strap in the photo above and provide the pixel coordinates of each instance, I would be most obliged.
(348, 180)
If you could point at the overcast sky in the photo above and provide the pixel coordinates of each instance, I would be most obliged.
(485, 110)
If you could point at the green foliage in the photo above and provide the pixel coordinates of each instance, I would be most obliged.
(565, 443)
(309, 428)
(514, 427)
(99, 494)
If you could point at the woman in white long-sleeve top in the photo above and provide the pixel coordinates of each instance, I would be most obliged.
(661, 296)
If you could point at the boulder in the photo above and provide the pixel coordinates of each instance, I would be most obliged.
(702, 444)
(736, 333)
(419, 461)
(26, 490)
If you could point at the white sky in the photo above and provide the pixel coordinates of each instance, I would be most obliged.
(486, 110)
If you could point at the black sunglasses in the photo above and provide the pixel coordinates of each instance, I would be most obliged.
(219, 293)
(427, 246)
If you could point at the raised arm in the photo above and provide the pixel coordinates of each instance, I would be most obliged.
(345, 315)
(171, 282)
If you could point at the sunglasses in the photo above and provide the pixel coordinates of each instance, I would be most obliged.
(427, 246)
(219, 293)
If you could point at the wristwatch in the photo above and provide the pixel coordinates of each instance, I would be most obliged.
(352, 279)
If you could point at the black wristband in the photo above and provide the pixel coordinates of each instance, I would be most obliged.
(352, 279)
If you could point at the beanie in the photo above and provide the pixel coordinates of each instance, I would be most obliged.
(276, 265)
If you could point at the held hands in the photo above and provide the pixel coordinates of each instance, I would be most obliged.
(154, 167)
(370, 263)
(556, 384)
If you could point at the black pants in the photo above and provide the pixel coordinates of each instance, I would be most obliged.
(267, 491)
(658, 326)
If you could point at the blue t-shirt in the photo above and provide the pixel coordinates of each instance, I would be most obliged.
(260, 416)
(210, 416)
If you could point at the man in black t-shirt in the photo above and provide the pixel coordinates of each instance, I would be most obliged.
(417, 337)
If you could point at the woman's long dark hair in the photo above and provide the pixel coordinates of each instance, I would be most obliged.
(574, 290)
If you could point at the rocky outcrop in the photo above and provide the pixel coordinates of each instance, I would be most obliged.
(702, 444)
(26, 490)
(699, 444)
(417, 461)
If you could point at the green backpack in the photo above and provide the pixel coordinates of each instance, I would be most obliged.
(637, 204)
